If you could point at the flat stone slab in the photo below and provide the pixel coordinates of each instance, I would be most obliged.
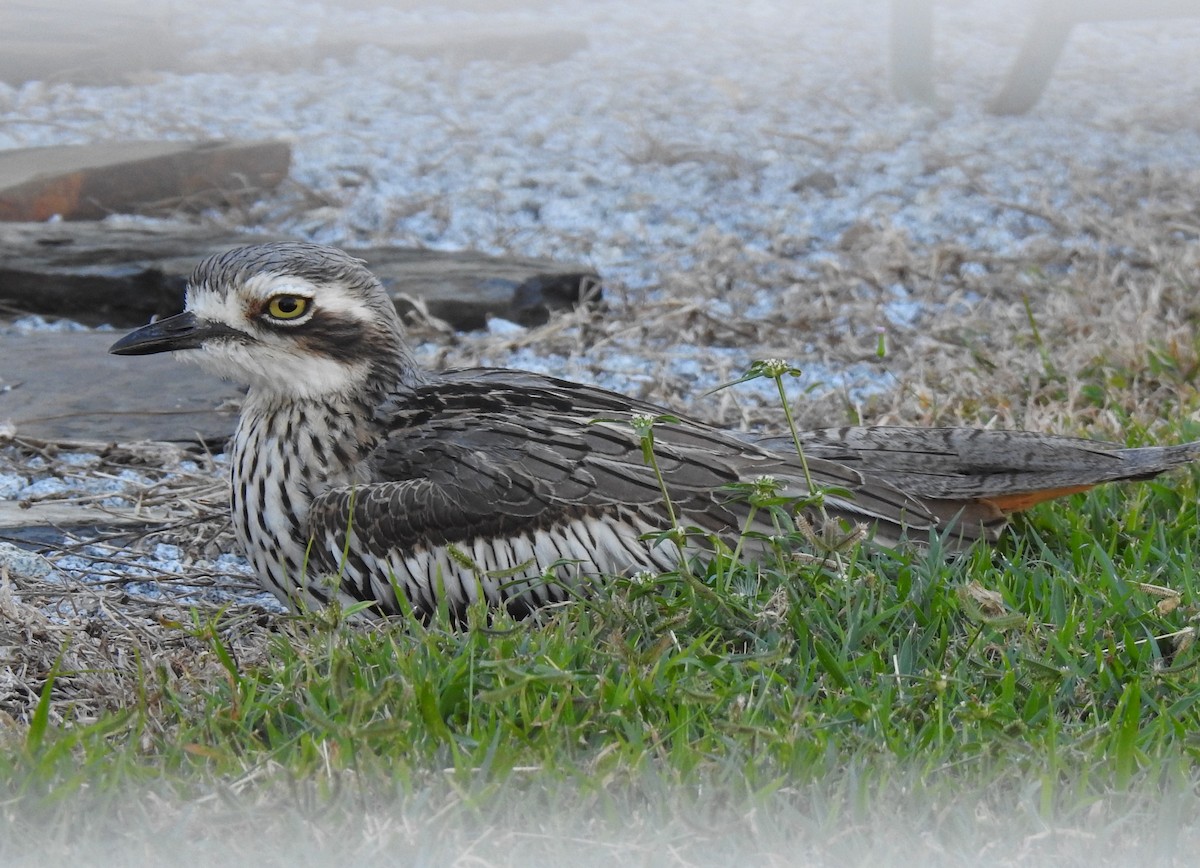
(114, 41)
(123, 272)
(66, 386)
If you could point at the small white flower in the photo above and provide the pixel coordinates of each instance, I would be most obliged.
(775, 367)
(643, 423)
(642, 577)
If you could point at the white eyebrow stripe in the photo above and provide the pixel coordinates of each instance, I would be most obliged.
(231, 307)
(333, 297)
(264, 286)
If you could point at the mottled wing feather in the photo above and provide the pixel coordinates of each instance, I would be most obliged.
(966, 463)
(502, 454)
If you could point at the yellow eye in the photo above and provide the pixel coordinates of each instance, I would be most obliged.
(287, 306)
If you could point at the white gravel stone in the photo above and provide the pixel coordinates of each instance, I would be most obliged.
(19, 562)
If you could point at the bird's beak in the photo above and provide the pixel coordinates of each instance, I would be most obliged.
(183, 331)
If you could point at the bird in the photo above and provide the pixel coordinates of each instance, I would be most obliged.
(360, 477)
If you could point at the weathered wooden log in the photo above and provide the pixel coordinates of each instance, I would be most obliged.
(123, 273)
(88, 182)
(69, 515)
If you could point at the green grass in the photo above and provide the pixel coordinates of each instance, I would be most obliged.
(817, 694)
(1039, 701)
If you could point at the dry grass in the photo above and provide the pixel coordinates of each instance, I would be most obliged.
(99, 628)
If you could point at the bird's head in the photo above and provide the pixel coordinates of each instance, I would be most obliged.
(290, 320)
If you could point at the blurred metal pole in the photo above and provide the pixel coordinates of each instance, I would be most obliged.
(912, 50)
(1035, 64)
(1048, 35)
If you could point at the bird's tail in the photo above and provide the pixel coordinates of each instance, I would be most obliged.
(972, 479)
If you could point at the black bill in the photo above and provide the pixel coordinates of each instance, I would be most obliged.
(183, 331)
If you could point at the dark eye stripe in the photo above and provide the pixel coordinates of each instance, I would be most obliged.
(336, 337)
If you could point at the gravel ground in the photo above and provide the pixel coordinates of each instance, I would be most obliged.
(689, 142)
(739, 175)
